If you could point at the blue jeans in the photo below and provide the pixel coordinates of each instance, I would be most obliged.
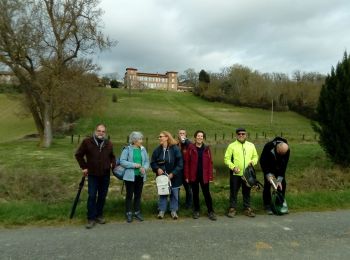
(97, 190)
(174, 200)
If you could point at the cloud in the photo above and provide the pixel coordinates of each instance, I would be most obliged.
(269, 35)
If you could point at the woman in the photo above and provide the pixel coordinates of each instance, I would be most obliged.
(199, 171)
(134, 159)
(167, 159)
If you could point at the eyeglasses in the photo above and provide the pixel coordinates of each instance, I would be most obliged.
(161, 136)
(241, 134)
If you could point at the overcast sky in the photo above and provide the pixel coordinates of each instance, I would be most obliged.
(265, 35)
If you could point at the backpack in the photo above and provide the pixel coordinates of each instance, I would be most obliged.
(249, 178)
(119, 170)
(278, 203)
(163, 184)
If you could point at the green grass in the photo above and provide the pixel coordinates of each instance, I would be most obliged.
(14, 123)
(38, 185)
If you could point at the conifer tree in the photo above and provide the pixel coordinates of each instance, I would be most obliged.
(333, 113)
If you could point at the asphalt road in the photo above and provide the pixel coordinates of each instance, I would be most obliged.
(313, 235)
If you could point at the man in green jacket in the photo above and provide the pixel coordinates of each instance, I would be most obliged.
(238, 156)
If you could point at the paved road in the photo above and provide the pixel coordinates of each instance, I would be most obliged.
(314, 235)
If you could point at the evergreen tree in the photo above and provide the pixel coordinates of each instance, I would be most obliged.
(333, 113)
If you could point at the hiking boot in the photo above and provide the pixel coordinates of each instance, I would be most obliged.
(138, 216)
(174, 215)
(195, 214)
(211, 216)
(249, 212)
(268, 210)
(231, 212)
(128, 217)
(161, 215)
(90, 224)
(100, 220)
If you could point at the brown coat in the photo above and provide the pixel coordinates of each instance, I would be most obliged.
(98, 162)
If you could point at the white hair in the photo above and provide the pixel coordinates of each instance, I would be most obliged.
(135, 136)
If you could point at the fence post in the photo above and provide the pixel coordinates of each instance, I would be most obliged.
(78, 139)
(256, 135)
(232, 136)
(303, 137)
(215, 137)
(71, 140)
(281, 134)
(147, 143)
(223, 136)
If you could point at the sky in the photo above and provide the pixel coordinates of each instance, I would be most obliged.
(281, 36)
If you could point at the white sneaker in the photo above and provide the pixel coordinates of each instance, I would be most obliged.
(174, 215)
(161, 214)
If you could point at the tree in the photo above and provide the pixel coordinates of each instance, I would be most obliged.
(333, 113)
(204, 81)
(40, 41)
(114, 83)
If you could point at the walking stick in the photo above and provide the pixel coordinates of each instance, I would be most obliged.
(81, 185)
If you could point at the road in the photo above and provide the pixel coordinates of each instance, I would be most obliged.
(311, 235)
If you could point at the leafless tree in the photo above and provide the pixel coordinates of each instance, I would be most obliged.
(41, 41)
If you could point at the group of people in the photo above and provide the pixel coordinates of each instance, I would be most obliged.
(188, 164)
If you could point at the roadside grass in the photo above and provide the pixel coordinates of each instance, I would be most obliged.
(38, 185)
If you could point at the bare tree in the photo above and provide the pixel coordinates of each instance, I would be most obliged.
(40, 41)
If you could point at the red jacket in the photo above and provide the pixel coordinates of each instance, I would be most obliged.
(191, 161)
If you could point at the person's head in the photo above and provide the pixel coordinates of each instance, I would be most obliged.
(199, 137)
(282, 148)
(181, 134)
(241, 134)
(166, 139)
(100, 131)
(136, 138)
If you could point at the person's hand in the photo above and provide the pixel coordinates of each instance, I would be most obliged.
(142, 170)
(236, 170)
(137, 165)
(85, 172)
(171, 175)
(187, 180)
(160, 171)
(279, 186)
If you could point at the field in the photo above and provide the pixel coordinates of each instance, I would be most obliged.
(38, 185)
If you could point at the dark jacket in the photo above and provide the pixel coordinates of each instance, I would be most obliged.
(191, 164)
(271, 162)
(170, 161)
(98, 159)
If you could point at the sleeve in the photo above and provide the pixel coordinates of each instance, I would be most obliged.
(228, 157)
(154, 158)
(255, 156)
(265, 161)
(80, 154)
(112, 157)
(145, 163)
(124, 159)
(211, 177)
(178, 161)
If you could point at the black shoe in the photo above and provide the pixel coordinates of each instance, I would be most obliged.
(90, 224)
(195, 215)
(138, 216)
(211, 216)
(129, 217)
(268, 210)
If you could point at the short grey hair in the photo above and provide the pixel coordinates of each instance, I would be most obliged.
(135, 136)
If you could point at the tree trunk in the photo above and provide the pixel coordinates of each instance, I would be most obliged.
(47, 138)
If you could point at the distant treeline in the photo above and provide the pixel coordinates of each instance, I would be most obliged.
(242, 86)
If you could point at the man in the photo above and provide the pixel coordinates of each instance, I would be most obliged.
(183, 145)
(273, 161)
(96, 158)
(238, 156)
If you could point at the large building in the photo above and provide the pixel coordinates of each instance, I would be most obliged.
(141, 80)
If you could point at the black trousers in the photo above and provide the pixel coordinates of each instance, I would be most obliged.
(188, 191)
(133, 189)
(206, 194)
(267, 191)
(235, 184)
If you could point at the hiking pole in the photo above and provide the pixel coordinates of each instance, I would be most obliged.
(81, 185)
